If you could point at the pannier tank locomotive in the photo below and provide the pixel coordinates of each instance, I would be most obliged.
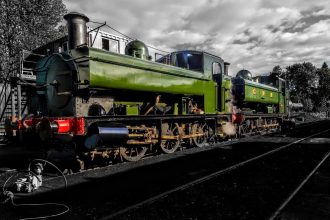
(112, 106)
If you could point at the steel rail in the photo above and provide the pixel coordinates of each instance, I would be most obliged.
(294, 193)
(205, 178)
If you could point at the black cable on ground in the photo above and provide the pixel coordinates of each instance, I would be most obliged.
(10, 195)
(42, 204)
(53, 165)
(15, 174)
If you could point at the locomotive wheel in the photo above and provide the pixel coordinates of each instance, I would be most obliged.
(245, 129)
(212, 138)
(198, 128)
(132, 153)
(170, 146)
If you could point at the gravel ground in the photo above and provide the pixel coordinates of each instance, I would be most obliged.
(252, 192)
(313, 201)
(100, 192)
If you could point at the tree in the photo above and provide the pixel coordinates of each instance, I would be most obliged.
(324, 83)
(276, 72)
(303, 81)
(324, 66)
(27, 24)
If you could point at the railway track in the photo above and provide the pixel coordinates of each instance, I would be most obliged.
(217, 174)
(300, 186)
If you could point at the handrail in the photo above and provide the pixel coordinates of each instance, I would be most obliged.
(5, 98)
(15, 68)
(4, 110)
(4, 95)
(4, 88)
(12, 69)
(31, 53)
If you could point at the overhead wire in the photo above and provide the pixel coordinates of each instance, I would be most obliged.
(95, 22)
(130, 38)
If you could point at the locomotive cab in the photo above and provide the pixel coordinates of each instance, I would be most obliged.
(191, 60)
(199, 61)
(210, 67)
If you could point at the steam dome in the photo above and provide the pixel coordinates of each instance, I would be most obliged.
(245, 74)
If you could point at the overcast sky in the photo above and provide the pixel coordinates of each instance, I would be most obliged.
(250, 34)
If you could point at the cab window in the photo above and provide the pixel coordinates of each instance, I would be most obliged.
(216, 69)
(190, 60)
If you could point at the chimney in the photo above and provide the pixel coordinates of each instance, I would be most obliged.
(77, 29)
(226, 67)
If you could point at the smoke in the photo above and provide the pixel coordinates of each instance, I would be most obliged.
(229, 129)
(235, 109)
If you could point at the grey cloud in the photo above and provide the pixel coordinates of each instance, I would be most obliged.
(256, 35)
(299, 4)
(272, 28)
(204, 46)
(247, 32)
(248, 38)
(305, 23)
(312, 10)
(251, 40)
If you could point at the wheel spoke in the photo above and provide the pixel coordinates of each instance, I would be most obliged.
(132, 154)
(198, 129)
(170, 146)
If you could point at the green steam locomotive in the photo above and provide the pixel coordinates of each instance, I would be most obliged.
(122, 106)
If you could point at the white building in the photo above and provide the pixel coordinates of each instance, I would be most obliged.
(107, 41)
(115, 43)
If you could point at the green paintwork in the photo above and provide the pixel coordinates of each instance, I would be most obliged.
(283, 98)
(99, 69)
(106, 70)
(137, 49)
(225, 94)
(111, 70)
(132, 110)
(256, 92)
(176, 109)
(270, 109)
(208, 60)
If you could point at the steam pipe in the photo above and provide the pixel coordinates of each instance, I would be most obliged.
(226, 67)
